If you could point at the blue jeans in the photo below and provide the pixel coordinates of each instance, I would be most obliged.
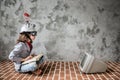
(31, 66)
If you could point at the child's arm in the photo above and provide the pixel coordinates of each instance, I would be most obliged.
(13, 56)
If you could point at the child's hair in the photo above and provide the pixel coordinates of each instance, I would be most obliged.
(24, 37)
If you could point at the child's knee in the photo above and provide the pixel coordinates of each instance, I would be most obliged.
(33, 66)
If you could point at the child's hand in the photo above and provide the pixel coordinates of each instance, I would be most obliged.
(33, 55)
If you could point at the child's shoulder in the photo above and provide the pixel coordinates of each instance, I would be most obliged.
(20, 44)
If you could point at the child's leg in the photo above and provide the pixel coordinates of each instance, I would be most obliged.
(29, 67)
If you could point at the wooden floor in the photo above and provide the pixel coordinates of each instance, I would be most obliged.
(58, 70)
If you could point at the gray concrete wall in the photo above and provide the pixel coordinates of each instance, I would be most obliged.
(67, 28)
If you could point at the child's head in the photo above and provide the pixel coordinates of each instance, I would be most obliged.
(32, 35)
(27, 32)
(28, 27)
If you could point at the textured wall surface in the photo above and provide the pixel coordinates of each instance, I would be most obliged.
(67, 28)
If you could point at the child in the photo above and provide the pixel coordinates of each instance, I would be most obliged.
(22, 50)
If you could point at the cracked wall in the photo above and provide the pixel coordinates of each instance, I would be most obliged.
(67, 28)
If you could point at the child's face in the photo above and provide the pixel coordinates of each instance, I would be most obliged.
(32, 37)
